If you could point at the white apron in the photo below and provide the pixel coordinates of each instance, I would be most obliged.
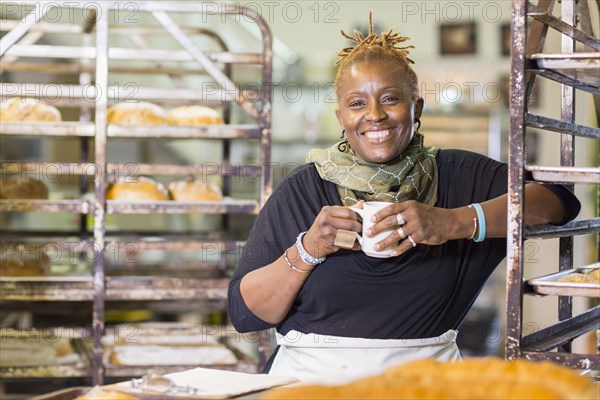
(324, 359)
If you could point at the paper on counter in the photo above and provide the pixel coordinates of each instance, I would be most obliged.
(218, 384)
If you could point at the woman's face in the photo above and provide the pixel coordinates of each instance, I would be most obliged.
(377, 111)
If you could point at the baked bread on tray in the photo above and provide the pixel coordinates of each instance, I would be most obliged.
(139, 188)
(194, 116)
(136, 113)
(27, 109)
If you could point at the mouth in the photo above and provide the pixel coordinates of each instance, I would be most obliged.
(378, 136)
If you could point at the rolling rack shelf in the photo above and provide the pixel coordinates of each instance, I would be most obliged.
(575, 71)
(93, 62)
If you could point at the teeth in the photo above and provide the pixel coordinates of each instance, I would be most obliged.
(377, 134)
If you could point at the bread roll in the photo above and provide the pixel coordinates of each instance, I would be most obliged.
(139, 189)
(194, 190)
(22, 188)
(577, 277)
(97, 393)
(23, 109)
(194, 115)
(138, 113)
(477, 378)
(24, 261)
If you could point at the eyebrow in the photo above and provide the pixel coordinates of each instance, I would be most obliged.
(358, 92)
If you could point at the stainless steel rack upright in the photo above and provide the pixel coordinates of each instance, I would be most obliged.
(575, 71)
(92, 62)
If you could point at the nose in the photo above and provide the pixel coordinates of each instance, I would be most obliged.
(375, 113)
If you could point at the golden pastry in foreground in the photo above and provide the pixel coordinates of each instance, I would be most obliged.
(140, 188)
(139, 113)
(23, 109)
(194, 115)
(97, 393)
(477, 378)
(595, 274)
(576, 277)
(195, 190)
(22, 188)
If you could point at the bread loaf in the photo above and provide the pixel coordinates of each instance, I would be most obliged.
(24, 261)
(97, 393)
(194, 115)
(138, 113)
(577, 277)
(194, 190)
(594, 274)
(22, 188)
(24, 109)
(137, 189)
(478, 378)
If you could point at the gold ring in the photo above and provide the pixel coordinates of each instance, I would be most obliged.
(414, 244)
(401, 233)
(400, 219)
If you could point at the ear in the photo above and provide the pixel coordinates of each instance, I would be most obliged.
(338, 114)
(419, 103)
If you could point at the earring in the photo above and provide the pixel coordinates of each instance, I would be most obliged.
(343, 145)
(418, 122)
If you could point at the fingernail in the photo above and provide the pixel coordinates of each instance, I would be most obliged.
(394, 253)
(373, 219)
(369, 232)
(378, 246)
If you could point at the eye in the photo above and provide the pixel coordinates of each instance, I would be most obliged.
(356, 104)
(390, 99)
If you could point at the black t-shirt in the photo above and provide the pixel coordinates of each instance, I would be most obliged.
(422, 293)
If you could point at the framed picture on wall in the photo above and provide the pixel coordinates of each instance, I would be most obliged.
(458, 39)
(505, 39)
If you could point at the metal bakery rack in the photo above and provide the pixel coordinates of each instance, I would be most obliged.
(575, 71)
(94, 60)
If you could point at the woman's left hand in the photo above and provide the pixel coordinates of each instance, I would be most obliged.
(422, 224)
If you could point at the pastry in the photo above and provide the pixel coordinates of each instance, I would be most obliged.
(194, 190)
(138, 113)
(577, 277)
(97, 393)
(194, 115)
(137, 189)
(23, 109)
(24, 261)
(22, 188)
(141, 355)
(476, 378)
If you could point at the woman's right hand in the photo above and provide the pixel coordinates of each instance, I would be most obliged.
(319, 239)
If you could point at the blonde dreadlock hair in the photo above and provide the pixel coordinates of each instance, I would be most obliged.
(376, 47)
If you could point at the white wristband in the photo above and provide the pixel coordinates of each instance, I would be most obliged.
(307, 258)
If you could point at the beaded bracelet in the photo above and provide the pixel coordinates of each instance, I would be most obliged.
(285, 257)
(307, 258)
(481, 222)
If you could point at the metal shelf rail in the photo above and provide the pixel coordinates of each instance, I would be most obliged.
(92, 59)
(574, 71)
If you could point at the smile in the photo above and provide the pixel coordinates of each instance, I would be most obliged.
(378, 136)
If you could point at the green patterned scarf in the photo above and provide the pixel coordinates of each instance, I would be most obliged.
(411, 176)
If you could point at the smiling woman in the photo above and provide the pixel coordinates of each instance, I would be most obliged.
(341, 314)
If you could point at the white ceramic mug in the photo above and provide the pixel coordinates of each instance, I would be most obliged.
(368, 243)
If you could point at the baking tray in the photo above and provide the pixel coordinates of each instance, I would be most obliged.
(583, 67)
(548, 284)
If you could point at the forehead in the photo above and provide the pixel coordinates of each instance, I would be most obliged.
(372, 75)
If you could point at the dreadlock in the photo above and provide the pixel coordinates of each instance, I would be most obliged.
(376, 47)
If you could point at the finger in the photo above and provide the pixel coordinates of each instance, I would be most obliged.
(392, 210)
(398, 235)
(402, 247)
(340, 212)
(389, 222)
